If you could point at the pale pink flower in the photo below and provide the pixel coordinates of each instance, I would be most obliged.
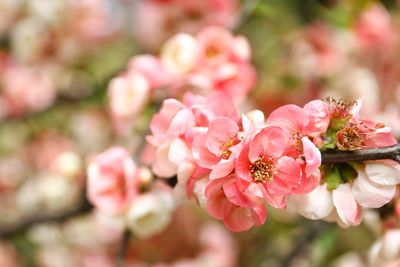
(158, 20)
(173, 120)
(215, 149)
(90, 20)
(238, 210)
(386, 250)
(26, 89)
(128, 95)
(373, 28)
(180, 54)
(112, 180)
(263, 165)
(151, 68)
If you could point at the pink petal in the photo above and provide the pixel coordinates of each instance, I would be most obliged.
(347, 208)
(239, 219)
(242, 165)
(181, 122)
(216, 198)
(161, 120)
(235, 196)
(269, 141)
(222, 169)
(221, 130)
(319, 117)
(312, 156)
(290, 117)
(221, 105)
(179, 152)
(288, 177)
(201, 154)
(162, 166)
(369, 194)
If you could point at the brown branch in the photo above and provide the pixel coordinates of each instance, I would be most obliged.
(390, 152)
(10, 230)
(123, 248)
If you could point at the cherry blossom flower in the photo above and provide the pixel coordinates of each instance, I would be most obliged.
(268, 172)
(238, 210)
(112, 180)
(128, 95)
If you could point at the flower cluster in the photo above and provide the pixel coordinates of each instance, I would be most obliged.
(348, 187)
(233, 163)
(114, 184)
(213, 59)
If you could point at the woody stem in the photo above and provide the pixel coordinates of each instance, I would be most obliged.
(390, 152)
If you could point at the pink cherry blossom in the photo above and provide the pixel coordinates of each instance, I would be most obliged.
(151, 68)
(26, 89)
(213, 150)
(301, 125)
(112, 180)
(157, 20)
(265, 168)
(180, 54)
(373, 29)
(238, 210)
(128, 95)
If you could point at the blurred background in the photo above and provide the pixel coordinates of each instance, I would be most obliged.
(57, 58)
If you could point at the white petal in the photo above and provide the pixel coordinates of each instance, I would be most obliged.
(315, 205)
(346, 206)
(383, 173)
(369, 194)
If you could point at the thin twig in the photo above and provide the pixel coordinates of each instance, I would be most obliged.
(123, 248)
(390, 152)
(301, 244)
(57, 217)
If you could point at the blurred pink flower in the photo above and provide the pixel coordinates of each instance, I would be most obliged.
(373, 28)
(112, 180)
(158, 20)
(26, 89)
(128, 95)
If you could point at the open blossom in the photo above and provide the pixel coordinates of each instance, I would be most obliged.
(176, 125)
(304, 127)
(268, 172)
(112, 180)
(239, 210)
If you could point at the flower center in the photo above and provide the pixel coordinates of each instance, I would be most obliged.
(225, 152)
(340, 108)
(351, 137)
(263, 170)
